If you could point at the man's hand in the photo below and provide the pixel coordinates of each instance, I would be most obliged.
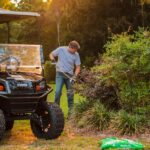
(52, 58)
(73, 79)
(53, 62)
(77, 70)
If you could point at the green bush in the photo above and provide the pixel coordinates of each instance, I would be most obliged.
(82, 106)
(120, 82)
(49, 72)
(128, 56)
(79, 112)
(126, 123)
(99, 117)
(91, 115)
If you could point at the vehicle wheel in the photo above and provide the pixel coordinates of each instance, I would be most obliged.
(2, 124)
(9, 125)
(52, 122)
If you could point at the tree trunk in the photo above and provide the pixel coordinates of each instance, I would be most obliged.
(58, 32)
(142, 12)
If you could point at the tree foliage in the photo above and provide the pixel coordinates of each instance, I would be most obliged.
(91, 22)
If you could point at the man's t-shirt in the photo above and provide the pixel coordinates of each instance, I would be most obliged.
(66, 60)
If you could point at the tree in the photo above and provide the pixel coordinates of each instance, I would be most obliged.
(91, 22)
(6, 4)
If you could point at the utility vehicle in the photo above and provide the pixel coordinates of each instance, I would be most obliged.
(23, 89)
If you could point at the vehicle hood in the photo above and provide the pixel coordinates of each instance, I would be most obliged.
(22, 76)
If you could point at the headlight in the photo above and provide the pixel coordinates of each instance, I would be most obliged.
(41, 86)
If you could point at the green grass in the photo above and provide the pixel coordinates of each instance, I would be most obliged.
(21, 137)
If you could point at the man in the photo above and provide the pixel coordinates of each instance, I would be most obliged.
(67, 69)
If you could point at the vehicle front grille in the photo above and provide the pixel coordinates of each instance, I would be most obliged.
(21, 87)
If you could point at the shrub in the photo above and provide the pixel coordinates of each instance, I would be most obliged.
(94, 89)
(120, 82)
(89, 115)
(80, 108)
(49, 72)
(99, 117)
(126, 123)
(130, 68)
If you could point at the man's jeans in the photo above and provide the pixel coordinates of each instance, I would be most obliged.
(61, 79)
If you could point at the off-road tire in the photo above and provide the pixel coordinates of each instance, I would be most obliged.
(9, 125)
(2, 124)
(56, 118)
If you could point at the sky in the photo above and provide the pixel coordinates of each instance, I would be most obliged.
(14, 1)
(17, 1)
(20, 0)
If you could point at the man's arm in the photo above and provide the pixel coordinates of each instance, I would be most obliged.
(51, 57)
(77, 70)
(77, 64)
(54, 54)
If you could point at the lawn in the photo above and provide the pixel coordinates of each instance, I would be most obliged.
(21, 137)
